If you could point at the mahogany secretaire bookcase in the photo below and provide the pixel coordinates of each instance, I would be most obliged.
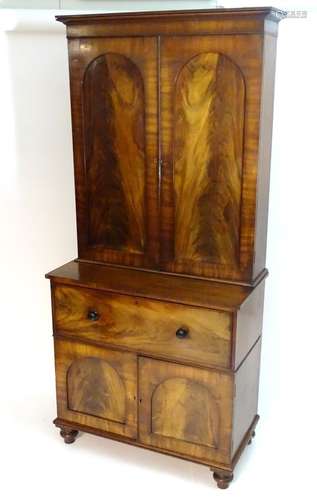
(157, 323)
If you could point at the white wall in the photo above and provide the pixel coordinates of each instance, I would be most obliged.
(37, 220)
(38, 234)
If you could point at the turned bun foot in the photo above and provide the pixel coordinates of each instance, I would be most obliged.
(223, 479)
(252, 436)
(69, 435)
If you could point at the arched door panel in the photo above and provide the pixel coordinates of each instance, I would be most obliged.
(195, 412)
(95, 388)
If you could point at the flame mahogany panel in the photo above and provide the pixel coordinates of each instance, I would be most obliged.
(115, 153)
(207, 156)
(194, 409)
(95, 388)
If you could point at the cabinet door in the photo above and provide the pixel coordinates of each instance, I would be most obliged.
(96, 387)
(210, 88)
(185, 410)
(114, 113)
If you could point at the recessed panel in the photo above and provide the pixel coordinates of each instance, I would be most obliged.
(209, 111)
(185, 410)
(114, 133)
(95, 388)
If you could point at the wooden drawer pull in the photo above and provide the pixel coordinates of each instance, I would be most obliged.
(181, 333)
(93, 315)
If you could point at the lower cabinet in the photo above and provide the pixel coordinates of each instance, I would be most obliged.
(97, 387)
(185, 410)
(182, 409)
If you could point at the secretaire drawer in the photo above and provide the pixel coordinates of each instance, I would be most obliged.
(147, 326)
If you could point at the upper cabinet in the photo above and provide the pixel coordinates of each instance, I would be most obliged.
(172, 139)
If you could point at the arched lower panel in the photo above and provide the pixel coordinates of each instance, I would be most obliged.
(95, 388)
(186, 410)
(207, 160)
(114, 139)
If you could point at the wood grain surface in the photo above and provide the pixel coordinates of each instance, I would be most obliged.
(210, 90)
(246, 397)
(209, 21)
(248, 324)
(144, 326)
(202, 159)
(185, 409)
(114, 116)
(151, 284)
(207, 155)
(96, 387)
(195, 412)
(115, 153)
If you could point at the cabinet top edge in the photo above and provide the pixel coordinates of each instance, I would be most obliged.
(270, 13)
(150, 284)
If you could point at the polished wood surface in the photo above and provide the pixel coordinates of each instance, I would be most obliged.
(223, 479)
(246, 397)
(248, 324)
(69, 435)
(114, 116)
(208, 21)
(157, 324)
(115, 153)
(142, 325)
(185, 409)
(96, 387)
(207, 158)
(226, 178)
(193, 409)
(172, 288)
(266, 124)
(126, 316)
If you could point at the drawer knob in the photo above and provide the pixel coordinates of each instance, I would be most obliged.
(92, 315)
(181, 333)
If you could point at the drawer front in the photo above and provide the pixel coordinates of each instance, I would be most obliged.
(148, 326)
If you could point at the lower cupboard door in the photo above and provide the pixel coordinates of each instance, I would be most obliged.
(185, 410)
(97, 387)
